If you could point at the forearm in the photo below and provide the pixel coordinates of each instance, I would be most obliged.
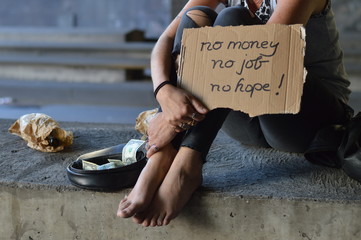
(161, 58)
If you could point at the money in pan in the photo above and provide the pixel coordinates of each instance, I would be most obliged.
(107, 179)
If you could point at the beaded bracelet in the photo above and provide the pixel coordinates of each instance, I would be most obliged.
(160, 86)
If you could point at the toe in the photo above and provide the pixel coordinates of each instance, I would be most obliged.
(146, 223)
(148, 218)
(160, 219)
(154, 221)
(131, 209)
(123, 205)
(123, 200)
(167, 219)
(138, 218)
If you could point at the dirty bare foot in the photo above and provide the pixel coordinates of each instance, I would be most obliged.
(182, 179)
(148, 182)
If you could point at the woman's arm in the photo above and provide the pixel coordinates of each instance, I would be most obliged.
(177, 105)
(161, 54)
(296, 11)
(174, 102)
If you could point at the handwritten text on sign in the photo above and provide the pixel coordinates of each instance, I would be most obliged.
(256, 69)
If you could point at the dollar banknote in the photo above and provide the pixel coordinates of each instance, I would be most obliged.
(117, 162)
(131, 150)
(106, 166)
(89, 165)
(93, 166)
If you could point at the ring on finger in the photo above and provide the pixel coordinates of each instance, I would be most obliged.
(194, 115)
(184, 126)
(156, 149)
(192, 123)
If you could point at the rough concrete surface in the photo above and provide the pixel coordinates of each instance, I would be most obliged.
(247, 193)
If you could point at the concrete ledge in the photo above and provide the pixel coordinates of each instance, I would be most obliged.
(76, 61)
(129, 55)
(134, 47)
(248, 193)
(28, 93)
(87, 55)
(61, 35)
(54, 73)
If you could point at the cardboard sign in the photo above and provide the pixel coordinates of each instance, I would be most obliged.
(255, 69)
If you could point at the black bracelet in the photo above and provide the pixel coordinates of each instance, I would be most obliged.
(160, 86)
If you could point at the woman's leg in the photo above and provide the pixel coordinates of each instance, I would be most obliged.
(235, 16)
(290, 132)
(244, 129)
(201, 136)
(319, 108)
(183, 178)
(148, 182)
(185, 174)
(195, 17)
(159, 164)
(286, 132)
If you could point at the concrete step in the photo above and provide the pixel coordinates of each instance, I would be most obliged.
(96, 55)
(141, 47)
(87, 60)
(40, 93)
(86, 55)
(247, 193)
(61, 35)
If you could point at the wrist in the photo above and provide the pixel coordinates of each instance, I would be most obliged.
(162, 90)
(160, 86)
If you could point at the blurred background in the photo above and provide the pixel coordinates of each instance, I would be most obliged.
(88, 60)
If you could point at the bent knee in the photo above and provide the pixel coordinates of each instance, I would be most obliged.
(235, 16)
(201, 15)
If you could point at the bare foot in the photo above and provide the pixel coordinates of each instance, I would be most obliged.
(148, 182)
(183, 178)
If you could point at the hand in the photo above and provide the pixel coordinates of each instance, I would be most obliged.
(160, 133)
(180, 108)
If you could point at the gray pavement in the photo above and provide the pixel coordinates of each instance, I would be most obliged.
(255, 171)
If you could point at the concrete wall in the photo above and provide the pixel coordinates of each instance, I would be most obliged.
(108, 20)
(152, 16)
(84, 215)
(348, 15)
(148, 15)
